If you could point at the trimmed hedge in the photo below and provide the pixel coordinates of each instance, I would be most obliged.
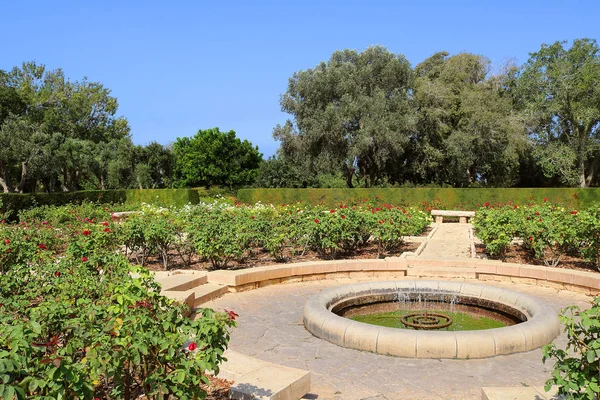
(449, 198)
(14, 202)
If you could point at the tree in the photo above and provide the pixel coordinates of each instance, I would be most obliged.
(278, 173)
(352, 115)
(22, 142)
(467, 133)
(212, 157)
(156, 162)
(558, 90)
(74, 118)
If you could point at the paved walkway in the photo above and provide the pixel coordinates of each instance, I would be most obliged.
(270, 328)
(450, 240)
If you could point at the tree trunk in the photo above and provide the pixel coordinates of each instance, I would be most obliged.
(582, 180)
(21, 185)
(5, 186)
(349, 175)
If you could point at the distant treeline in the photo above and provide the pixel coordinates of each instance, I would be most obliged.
(361, 119)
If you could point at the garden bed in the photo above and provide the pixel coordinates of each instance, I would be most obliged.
(519, 255)
(261, 257)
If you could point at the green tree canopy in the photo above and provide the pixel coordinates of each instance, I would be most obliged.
(467, 132)
(212, 157)
(352, 114)
(558, 89)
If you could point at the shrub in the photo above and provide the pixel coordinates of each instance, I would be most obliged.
(496, 227)
(588, 233)
(72, 332)
(577, 367)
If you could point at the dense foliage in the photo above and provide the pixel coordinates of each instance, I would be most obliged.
(79, 321)
(373, 121)
(577, 368)
(548, 231)
(220, 232)
(215, 158)
(359, 119)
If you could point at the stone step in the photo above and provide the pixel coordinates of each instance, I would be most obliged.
(181, 282)
(208, 292)
(441, 262)
(441, 272)
(519, 393)
(257, 379)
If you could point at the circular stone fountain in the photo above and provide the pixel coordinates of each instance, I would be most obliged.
(532, 324)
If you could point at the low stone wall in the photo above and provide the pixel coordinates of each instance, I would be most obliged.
(397, 267)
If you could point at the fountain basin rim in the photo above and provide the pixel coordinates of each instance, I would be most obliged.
(541, 327)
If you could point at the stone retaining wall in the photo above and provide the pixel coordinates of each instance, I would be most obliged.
(397, 267)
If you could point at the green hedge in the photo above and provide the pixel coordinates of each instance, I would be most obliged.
(13, 202)
(450, 198)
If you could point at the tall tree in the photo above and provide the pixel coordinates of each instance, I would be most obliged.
(75, 116)
(352, 114)
(558, 89)
(467, 133)
(212, 157)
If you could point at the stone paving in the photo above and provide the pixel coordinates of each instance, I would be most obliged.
(270, 328)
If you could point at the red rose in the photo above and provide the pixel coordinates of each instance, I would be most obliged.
(573, 212)
(331, 211)
(84, 259)
(537, 213)
(343, 217)
(232, 315)
(42, 246)
(6, 241)
(105, 223)
(86, 232)
(45, 223)
(316, 221)
(57, 273)
(107, 230)
(192, 346)
(545, 199)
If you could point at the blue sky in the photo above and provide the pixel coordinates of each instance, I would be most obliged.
(180, 66)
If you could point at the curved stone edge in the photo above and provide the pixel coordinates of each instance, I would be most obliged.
(541, 327)
(396, 268)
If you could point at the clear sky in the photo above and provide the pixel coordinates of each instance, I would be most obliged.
(180, 66)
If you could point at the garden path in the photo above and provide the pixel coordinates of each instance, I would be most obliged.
(450, 240)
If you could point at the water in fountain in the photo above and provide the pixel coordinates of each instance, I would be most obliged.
(429, 309)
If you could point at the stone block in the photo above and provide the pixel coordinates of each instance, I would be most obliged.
(508, 270)
(474, 344)
(535, 272)
(559, 275)
(269, 282)
(509, 340)
(525, 281)
(395, 342)
(361, 337)
(436, 345)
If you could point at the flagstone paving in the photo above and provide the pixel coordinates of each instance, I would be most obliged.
(270, 328)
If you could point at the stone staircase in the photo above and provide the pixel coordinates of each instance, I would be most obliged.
(189, 287)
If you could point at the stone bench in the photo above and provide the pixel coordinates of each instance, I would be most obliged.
(463, 216)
